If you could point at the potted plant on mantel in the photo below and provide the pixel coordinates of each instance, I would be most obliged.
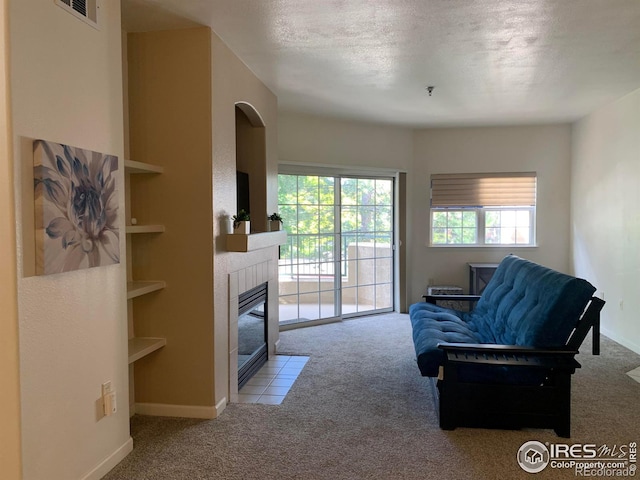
(241, 223)
(275, 222)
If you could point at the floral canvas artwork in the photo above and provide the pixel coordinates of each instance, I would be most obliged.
(76, 204)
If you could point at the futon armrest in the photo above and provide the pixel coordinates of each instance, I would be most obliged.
(463, 298)
(508, 355)
(491, 348)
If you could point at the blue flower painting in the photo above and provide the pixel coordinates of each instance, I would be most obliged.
(76, 208)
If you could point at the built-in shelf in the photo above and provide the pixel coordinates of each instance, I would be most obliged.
(137, 288)
(140, 167)
(145, 228)
(255, 241)
(142, 346)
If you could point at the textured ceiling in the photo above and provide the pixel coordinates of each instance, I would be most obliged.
(491, 61)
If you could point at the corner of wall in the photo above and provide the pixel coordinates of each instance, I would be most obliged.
(10, 435)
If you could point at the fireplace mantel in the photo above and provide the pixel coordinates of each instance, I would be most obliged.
(255, 241)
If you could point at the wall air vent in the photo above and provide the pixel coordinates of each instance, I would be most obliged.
(86, 10)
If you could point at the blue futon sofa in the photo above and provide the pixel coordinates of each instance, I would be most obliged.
(525, 328)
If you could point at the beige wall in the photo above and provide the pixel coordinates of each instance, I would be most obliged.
(170, 125)
(250, 158)
(233, 82)
(605, 222)
(342, 143)
(67, 87)
(543, 149)
(187, 123)
(10, 464)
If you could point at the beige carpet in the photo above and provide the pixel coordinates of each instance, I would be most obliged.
(361, 410)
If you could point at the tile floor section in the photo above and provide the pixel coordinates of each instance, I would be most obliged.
(272, 382)
(635, 374)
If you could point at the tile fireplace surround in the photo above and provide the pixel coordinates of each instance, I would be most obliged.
(239, 282)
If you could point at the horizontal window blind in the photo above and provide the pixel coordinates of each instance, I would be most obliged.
(483, 190)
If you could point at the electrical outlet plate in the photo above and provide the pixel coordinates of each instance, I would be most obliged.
(110, 406)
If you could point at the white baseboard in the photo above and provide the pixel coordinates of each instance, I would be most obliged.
(622, 341)
(185, 411)
(220, 406)
(111, 461)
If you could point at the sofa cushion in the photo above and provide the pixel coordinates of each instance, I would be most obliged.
(433, 325)
(528, 304)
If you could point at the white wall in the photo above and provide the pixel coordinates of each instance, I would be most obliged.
(606, 212)
(67, 87)
(542, 149)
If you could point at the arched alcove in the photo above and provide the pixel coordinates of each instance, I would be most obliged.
(251, 165)
(252, 114)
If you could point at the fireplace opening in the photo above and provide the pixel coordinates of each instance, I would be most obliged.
(252, 332)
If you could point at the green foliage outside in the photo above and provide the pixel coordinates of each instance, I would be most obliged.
(454, 227)
(308, 207)
(501, 227)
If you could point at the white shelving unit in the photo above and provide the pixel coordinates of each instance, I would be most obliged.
(140, 347)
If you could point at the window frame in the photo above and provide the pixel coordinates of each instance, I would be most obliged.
(480, 213)
(482, 193)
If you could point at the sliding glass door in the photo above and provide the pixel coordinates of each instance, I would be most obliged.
(366, 245)
(307, 267)
(338, 260)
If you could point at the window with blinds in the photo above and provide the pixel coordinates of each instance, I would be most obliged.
(483, 209)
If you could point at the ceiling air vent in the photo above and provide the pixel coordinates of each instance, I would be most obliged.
(86, 10)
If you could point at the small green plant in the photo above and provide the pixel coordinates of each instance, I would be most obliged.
(242, 216)
(275, 217)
